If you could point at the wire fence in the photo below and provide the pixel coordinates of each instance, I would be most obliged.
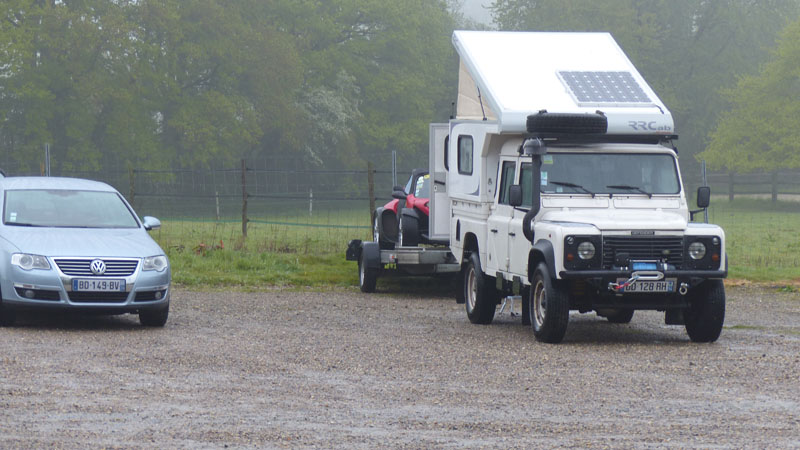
(282, 204)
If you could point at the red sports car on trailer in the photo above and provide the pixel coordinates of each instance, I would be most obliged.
(403, 222)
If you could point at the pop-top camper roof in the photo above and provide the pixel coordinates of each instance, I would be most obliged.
(507, 76)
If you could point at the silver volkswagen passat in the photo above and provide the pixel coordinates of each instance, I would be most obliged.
(78, 245)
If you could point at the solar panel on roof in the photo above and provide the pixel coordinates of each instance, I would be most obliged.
(604, 88)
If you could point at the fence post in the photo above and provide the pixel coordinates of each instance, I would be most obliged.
(730, 186)
(132, 186)
(775, 186)
(371, 188)
(244, 200)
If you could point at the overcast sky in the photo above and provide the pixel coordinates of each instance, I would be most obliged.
(474, 9)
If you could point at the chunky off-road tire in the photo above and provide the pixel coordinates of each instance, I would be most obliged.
(548, 307)
(480, 294)
(377, 236)
(706, 313)
(408, 233)
(7, 316)
(367, 278)
(622, 315)
(154, 317)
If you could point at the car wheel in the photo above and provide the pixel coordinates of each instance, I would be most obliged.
(480, 294)
(367, 278)
(7, 316)
(408, 233)
(548, 307)
(154, 317)
(377, 236)
(706, 313)
(622, 315)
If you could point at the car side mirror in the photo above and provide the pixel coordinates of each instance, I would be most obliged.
(515, 195)
(399, 193)
(703, 196)
(151, 223)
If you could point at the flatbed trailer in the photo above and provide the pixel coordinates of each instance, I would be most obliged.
(374, 262)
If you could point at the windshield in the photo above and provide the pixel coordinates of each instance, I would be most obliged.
(67, 208)
(421, 188)
(605, 173)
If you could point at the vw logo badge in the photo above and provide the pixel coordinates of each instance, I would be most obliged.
(98, 267)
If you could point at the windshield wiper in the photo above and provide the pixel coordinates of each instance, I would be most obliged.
(572, 185)
(631, 188)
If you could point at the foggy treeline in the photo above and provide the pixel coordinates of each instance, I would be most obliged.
(116, 84)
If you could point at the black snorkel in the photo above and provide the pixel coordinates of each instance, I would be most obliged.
(534, 148)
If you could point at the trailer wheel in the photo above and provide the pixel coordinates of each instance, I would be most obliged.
(706, 312)
(367, 278)
(408, 233)
(480, 294)
(548, 308)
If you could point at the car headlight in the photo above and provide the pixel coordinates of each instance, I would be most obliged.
(157, 263)
(586, 250)
(697, 250)
(26, 261)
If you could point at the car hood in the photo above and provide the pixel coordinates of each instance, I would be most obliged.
(616, 219)
(88, 242)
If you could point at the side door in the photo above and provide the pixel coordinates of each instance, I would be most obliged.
(519, 247)
(499, 219)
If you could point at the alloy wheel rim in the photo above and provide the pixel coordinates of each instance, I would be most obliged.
(472, 289)
(540, 303)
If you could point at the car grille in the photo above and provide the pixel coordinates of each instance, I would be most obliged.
(650, 247)
(114, 267)
(98, 297)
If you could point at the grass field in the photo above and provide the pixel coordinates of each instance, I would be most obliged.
(763, 241)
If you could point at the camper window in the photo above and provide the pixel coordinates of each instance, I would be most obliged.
(465, 155)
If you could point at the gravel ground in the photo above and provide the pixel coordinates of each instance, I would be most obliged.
(349, 370)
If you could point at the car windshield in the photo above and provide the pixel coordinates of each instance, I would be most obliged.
(605, 173)
(66, 208)
(421, 188)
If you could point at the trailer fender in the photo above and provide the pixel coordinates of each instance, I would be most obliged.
(371, 254)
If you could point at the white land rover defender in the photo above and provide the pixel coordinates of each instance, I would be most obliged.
(564, 183)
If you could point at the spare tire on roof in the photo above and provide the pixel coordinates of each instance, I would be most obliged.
(567, 123)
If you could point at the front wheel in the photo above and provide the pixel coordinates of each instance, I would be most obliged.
(480, 294)
(377, 236)
(706, 312)
(408, 232)
(548, 307)
(154, 317)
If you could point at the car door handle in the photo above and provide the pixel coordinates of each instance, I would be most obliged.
(493, 230)
(512, 234)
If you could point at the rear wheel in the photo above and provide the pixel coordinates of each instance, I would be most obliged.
(706, 313)
(622, 315)
(408, 233)
(480, 294)
(548, 308)
(154, 317)
(377, 236)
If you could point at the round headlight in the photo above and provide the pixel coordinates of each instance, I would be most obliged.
(586, 250)
(697, 250)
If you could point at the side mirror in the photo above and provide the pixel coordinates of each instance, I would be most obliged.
(151, 223)
(703, 196)
(399, 193)
(515, 195)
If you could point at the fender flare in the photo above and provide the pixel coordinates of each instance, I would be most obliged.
(547, 253)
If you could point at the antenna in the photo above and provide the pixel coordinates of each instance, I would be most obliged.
(480, 99)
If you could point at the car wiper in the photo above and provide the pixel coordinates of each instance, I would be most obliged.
(631, 188)
(573, 185)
